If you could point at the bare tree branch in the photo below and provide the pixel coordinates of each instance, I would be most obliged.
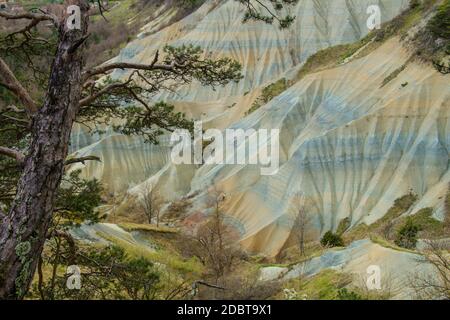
(70, 241)
(11, 153)
(151, 203)
(82, 160)
(77, 44)
(125, 65)
(10, 82)
(11, 108)
(204, 283)
(101, 8)
(435, 285)
(34, 17)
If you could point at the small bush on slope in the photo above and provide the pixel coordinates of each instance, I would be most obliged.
(447, 207)
(331, 239)
(407, 236)
(440, 24)
(432, 44)
(345, 294)
(430, 228)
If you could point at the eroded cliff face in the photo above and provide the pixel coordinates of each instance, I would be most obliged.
(349, 144)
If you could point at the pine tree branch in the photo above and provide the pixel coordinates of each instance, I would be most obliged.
(91, 98)
(125, 65)
(104, 69)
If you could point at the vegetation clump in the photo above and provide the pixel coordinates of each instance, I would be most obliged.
(407, 235)
(344, 224)
(433, 42)
(439, 25)
(385, 225)
(105, 273)
(447, 207)
(268, 93)
(323, 286)
(333, 56)
(345, 294)
(331, 239)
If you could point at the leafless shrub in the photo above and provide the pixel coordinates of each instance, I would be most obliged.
(242, 287)
(177, 209)
(151, 203)
(433, 285)
(301, 225)
(215, 243)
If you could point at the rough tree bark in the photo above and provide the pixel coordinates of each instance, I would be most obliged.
(23, 231)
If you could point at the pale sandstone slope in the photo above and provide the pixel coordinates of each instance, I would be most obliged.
(350, 146)
(265, 52)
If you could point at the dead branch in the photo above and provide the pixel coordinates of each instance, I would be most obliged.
(11, 153)
(82, 160)
(10, 82)
(34, 17)
(70, 241)
(11, 108)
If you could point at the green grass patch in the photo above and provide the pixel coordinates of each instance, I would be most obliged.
(401, 205)
(330, 284)
(129, 226)
(388, 244)
(429, 227)
(344, 224)
(331, 57)
(399, 26)
(385, 225)
(447, 207)
(323, 286)
(169, 258)
(439, 25)
(384, 231)
(268, 93)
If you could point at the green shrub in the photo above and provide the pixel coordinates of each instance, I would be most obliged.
(331, 239)
(344, 294)
(428, 225)
(414, 4)
(407, 235)
(400, 206)
(447, 207)
(439, 25)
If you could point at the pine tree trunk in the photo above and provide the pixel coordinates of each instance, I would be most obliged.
(23, 231)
